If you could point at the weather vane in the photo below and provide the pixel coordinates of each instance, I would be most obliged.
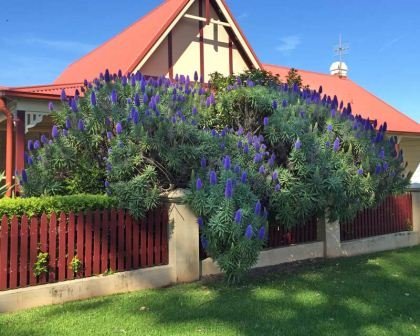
(341, 49)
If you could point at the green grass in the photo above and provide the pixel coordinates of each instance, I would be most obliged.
(370, 295)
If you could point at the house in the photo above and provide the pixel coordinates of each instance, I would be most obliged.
(177, 37)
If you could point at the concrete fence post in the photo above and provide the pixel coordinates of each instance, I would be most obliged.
(183, 239)
(416, 212)
(332, 241)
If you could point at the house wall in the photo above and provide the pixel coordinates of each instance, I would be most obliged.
(186, 49)
(411, 149)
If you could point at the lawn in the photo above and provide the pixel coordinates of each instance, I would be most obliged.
(370, 295)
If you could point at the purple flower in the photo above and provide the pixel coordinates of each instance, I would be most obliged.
(114, 96)
(44, 139)
(240, 145)
(360, 171)
(274, 105)
(261, 233)
(119, 128)
(265, 122)
(258, 208)
(333, 113)
(29, 161)
(237, 169)
(107, 76)
(385, 165)
(229, 189)
(336, 146)
(227, 162)
(106, 184)
(81, 125)
(258, 158)
(199, 184)
(37, 145)
(54, 132)
(249, 232)
(204, 242)
(73, 105)
(382, 154)
(284, 104)
(30, 145)
(213, 178)
(93, 98)
(195, 76)
(329, 128)
(109, 135)
(200, 222)
(134, 115)
(50, 106)
(194, 111)
(262, 169)
(275, 176)
(24, 176)
(240, 131)
(298, 144)
(203, 163)
(63, 95)
(244, 177)
(124, 81)
(238, 216)
(277, 188)
(137, 100)
(246, 149)
(145, 98)
(378, 169)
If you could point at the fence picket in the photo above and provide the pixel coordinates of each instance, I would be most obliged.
(23, 253)
(13, 270)
(4, 242)
(52, 249)
(33, 245)
(104, 241)
(128, 242)
(120, 255)
(70, 244)
(97, 243)
(62, 228)
(88, 244)
(80, 245)
(113, 241)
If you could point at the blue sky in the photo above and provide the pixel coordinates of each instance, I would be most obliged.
(38, 39)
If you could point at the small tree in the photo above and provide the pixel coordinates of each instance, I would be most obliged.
(293, 78)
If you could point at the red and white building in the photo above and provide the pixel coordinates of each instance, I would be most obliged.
(177, 37)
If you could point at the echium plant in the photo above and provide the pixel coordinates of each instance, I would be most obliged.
(255, 153)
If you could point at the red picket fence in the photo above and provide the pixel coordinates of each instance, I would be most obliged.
(104, 241)
(395, 214)
(279, 236)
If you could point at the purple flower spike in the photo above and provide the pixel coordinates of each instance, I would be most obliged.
(200, 222)
(203, 163)
(54, 132)
(227, 162)
(277, 188)
(30, 145)
(275, 176)
(24, 176)
(238, 216)
(137, 100)
(109, 135)
(44, 139)
(298, 144)
(265, 122)
(360, 171)
(258, 208)
(145, 98)
(106, 184)
(336, 146)
(135, 115)
(198, 184)
(244, 177)
(382, 154)
(213, 178)
(262, 170)
(194, 111)
(119, 128)
(333, 113)
(81, 125)
(229, 189)
(284, 104)
(50, 106)
(73, 105)
(114, 97)
(246, 148)
(37, 145)
(261, 233)
(329, 128)
(107, 76)
(378, 169)
(195, 76)
(249, 232)
(274, 105)
(63, 95)
(93, 98)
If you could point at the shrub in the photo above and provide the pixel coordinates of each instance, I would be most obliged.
(259, 151)
(35, 206)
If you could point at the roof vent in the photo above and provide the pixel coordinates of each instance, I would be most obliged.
(339, 69)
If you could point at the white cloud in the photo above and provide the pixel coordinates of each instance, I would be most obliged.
(242, 16)
(289, 43)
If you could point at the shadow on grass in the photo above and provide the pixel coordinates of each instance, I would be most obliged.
(369, 295)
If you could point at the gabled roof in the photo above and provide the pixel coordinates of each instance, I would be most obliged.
(362, 101)
(52, 91)
(125, 51)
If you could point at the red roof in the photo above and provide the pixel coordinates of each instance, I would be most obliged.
(362, 101)
(127, 49)
(52, 91)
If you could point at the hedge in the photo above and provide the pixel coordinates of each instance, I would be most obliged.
(33, 206)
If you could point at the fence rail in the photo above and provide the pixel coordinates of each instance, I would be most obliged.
(279, 236)
(103, 241)
(395, 214)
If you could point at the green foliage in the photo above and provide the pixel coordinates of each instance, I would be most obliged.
(293, 78)
(76, 265)
(33, 206)
(41, 264)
